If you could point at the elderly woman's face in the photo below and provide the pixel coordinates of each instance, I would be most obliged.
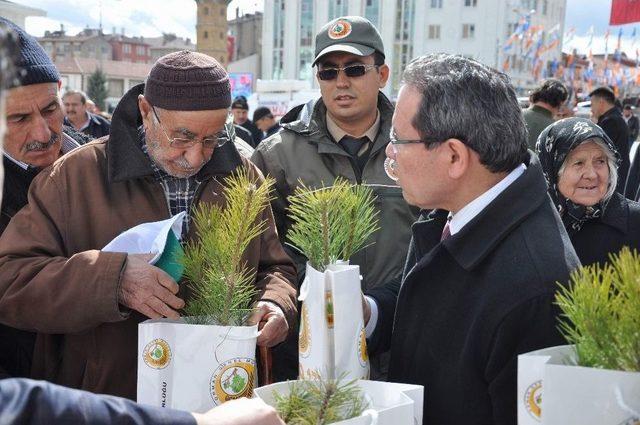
(585, 178)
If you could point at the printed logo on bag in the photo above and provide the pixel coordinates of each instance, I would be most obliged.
(312, 374)
(533, 400)
(631, 421)
(328, 302)
(304, 342)
(363, 356)
(157, 354)
(233, 379)
(340, 29)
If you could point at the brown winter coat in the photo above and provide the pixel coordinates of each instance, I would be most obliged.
(55, 280)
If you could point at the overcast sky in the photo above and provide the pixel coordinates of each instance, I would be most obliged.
(151, 18)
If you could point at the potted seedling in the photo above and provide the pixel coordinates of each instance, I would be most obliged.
(596, 379)
(340, 401)
(329, 225)
(208, 356)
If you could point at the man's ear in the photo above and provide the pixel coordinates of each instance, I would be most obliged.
(145, 110)
(458, 157)
(384, 75)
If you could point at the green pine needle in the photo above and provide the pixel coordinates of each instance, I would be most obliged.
(331, 223)
(601, 311)
(222, 286)
(320, 402)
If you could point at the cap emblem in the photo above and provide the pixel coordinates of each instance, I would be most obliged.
(339, 30)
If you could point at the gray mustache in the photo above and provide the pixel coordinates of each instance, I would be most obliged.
(41, 146)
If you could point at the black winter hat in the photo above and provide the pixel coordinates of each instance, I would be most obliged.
(33, 65)
(240, 102)
(261, 112)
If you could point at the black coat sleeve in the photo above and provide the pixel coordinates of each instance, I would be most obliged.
(633, 181)
(619, 135)
(23, 401)
(634, 128)
(385, 297)
(530, 326)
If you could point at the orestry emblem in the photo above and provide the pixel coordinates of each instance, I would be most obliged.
(304, 342)
(157, 354)
(363, 356)
(339, 30)
(233, 379)
(533, 400)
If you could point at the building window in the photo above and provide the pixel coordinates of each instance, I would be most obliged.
(206, 10)
(545, 5)
(115, 87)
(470, 3)
(338, 8)
(434, 32)
(403, 40)
(126, 48)
(278, 40)
(206, 34)
(372, 11)
(222, 11)
(221, 36)
(436, 4)
(305, 72)
(468, 30)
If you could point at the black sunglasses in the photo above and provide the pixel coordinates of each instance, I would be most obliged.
(357, 70)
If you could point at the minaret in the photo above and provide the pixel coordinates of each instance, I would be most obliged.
(211, 29)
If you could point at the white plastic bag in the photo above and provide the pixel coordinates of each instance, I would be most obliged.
(332, 338)
(553, 390)
(391, 403)
(194, 367)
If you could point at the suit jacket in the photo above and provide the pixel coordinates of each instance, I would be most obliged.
(97, 127)
(634, 129)
(469, 305)
(616, 128)
(23, 401)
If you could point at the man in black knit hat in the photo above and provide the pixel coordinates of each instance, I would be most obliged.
(34, 139)
(168, 150)
(240, 110)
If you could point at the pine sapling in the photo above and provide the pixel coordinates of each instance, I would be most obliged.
(221, 284)
(601, 313)
(331, 223)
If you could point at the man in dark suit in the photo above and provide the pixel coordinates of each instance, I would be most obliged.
(603, 108)
(481, 272)
(78, 116)
(632, 122)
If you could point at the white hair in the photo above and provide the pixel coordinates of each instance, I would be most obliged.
(611, 163)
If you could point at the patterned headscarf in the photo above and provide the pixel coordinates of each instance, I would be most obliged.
(553, 146)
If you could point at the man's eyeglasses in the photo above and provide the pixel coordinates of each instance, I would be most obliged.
(357, 70)
(210, 142)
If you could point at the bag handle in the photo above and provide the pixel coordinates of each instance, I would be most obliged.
(624, 406)
(372, 415)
